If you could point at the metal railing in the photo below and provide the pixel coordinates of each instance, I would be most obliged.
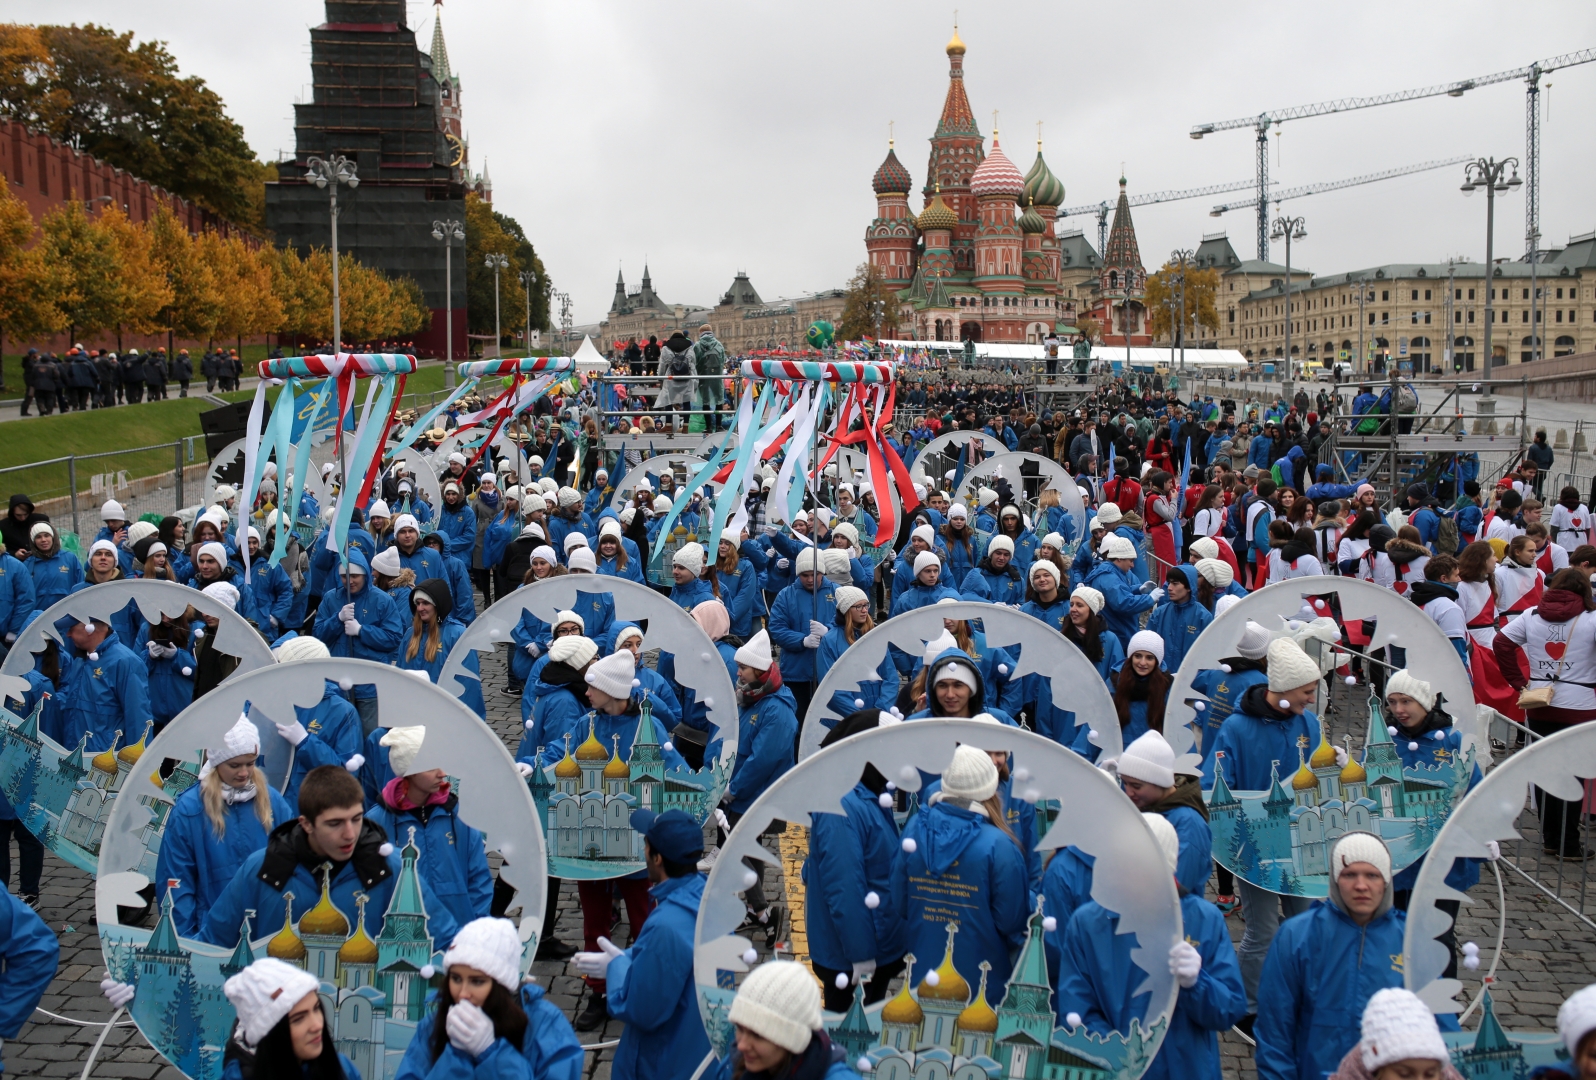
(144, 479)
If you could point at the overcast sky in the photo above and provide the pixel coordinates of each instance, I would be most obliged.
(712, 137)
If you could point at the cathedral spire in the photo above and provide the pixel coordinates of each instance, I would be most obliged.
(957, 118)
(1122, 254)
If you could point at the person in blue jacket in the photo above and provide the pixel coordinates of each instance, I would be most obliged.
(662, 695)
(1086, 554)
(1327, 962)
(1124, 597)
(102, 569)
(431, 638)
(360, 621)
(799, 619)
(1252, 744)
(997, 579)
(282, 1027)
(961, 846)
(738, 582)
(457, 574)
(505, 526)
(779, 1034)
(457, 519)
(1002, 432)
(169, 669)
(1224, 686)
(103, 689)
(850, 857)
(531, 635)
(966, 548)
(1179, 618)
(29, 954)
(1099, 983)
(413, 555)
(1012, 525)
(420, 808)
(687, 571)
(269, 593)
(926, 588)
(326, 733)
(612, 557)
(1292, 468)
(487, 1022)
(555, 701)
(711, 616)
(1258, 449)
(650, 984)
(1148, 778)
(217, 824)
(1324, 488)
(951, 682)
(853, 623)
(54, 572)
(329, 850)
(1044, 599)
(922, 538)
(17, 599)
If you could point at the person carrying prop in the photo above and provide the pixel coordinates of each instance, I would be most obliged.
(1125, 596)
(326, 733)
(1400, 1041)
(281, 1028)
(1148, 778)
(487, 1022)
(780, 1036)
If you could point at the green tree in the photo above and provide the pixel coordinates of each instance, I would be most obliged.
(29, 285)
(1201, 288)
(527, 256)
(485, 235)
(866, 288)
(195, 303)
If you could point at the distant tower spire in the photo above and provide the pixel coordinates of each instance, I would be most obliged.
(440, 51)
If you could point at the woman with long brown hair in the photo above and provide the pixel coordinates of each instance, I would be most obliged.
(432, 637)
(1141, 690)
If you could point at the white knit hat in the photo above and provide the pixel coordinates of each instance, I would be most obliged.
(1163, 832)
(1089, 596)
(379, 509)
(1225, 603)
(690, 557)
(548, 485)
(1216, 572)
(212, 548)
(756, 653)
(222, 592)
(140, 529)
(926, 559)
(1360, 847)
(544, 552)
(1577, 1018)
(1206, 547)
(1150, 758)
(582, 559)
(568, 496)
(573, 540)
(926, 534)
(302, 647)
(848, 596)
(266, 992)
(661, 504)
(1404, 682)
(112, 511)
(1289, 666)
(403, 744)
(809, 559)
(838, 564)
(958, 672)
(1117, 547)
(1397, 1026)
(985, 496)
(102, 545)
(1146, 641)
(626, 633)
(387, 562)
(1042, 566)
(1094, 524)
(958, 510)
(1000, 543)
(607, 527)
(1054, 541)
(970, 775)
(405, 521)
(938, 645)
(779, 1001)
(533, 529)
(492, 946)
(573, 650)
(844, 530)
(614, 674)
(41, 527)
(1109, 514)
(240, 739)
(1254, 641)
(513, 493)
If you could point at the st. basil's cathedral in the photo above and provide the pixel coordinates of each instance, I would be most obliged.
(984, 260)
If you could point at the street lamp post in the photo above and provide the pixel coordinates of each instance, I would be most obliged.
(1182, 260)
(1487, 173)
(529, 278)
(1289, 228)
(448, 232)
(327, 174)
(496, 262)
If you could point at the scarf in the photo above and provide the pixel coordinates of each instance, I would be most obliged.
(232, 796)
(749, 694)
(1425, 591)
(396, 793)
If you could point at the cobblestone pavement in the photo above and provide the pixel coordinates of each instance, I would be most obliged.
(1548, 950)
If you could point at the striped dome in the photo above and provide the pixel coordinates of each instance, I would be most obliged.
(1041, 186)
(892, 178)
(997, 175)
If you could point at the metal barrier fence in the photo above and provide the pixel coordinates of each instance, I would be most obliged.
(145, 480)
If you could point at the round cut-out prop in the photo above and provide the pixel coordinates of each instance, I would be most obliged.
(1279, 837)
(374, 966)
(942, 453)
(586, 784)
(59, 789)
(1559, 765)
(902, 1036)
(1036, 648)
(681, 466)
(1029, 475)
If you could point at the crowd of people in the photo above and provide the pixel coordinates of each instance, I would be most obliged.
(82, 379)
(1189, 509)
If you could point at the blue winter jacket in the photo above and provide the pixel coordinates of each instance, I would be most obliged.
(1081, 568)
(261, 885)
(789, 625)
(501, 530)
(878, 693)
(1098, 980)
(1258, 451)
(1223, 690)
(103, 696)
(964, 869)
(381, 624)
(767, 736)
(1321, 970)
(1431, 752)
(1253, 741)
(17, 598)
(996, 586)
(459, 524)
(1007, 437)
(423, 562)
(203, 863)
(1179, 624)
(53, 576)
(960, 561)
(171, 691)
(458, 574)
(334, 736)
(611, 567)
(529, 630)
(1123, 599)
(454, 858)
(270, 596)
(689, 596)
(129, 622)
(1055, 614)
(549, 712)
(1057, 723)
(1066, 887)
(29, 953)
(694, 712)
(850, 855)
(469, 690)
(1428, 522)
(549, 1049)
(739, 591)
(1021, 818)
(919, 595)
(651, 990)
(999, 689)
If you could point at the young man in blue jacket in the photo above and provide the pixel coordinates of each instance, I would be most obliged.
(651, 984)
(801, 616)
(104, 686)
(1124, 597)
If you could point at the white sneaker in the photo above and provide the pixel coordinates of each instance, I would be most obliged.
(707, 863)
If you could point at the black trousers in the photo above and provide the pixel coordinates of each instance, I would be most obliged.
(30, 855)
(1559, 817)
(1400, 900)
(838, 1000)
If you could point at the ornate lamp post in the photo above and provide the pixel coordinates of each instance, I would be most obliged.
(496, 262)
(1487, 173)
(1289, 229)
(529, 278)
(448, 232)
(327, 174)
(1182, 260)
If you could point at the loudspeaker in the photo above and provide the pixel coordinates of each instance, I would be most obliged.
(227, 424)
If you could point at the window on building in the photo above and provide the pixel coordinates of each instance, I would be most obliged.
(1471, 315)
(1385, 294)
(1415, 294)
(1524, 316)
(1371, 318)
(1559, 294)
(1426, 318)
(1471, 296)
(1526, 294)
(1559, 316)
(1426, 294)
(1563, 346)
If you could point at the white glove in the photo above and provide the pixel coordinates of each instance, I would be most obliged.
(811, 642)
(1147, 587)
(117, 993)
(595, 964)
(523, 770)
(351, 628)
(782, 564)
(772, 528)
(1157, 595)
(1493, 850)
(294, 733)
(721, 820)
(1185, 963)
(1341, 757)
(533, 649)
(862, 971)
(346, 613)
(470, 1030)
(11, 639)
(817, 629)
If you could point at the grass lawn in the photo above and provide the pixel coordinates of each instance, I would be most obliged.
(252, 354)
(428, 378)
(39, 438)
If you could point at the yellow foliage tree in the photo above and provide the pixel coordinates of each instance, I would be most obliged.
(142, 292)
(29, 286)
(1201, 288)
(246, 302)
(194, 305)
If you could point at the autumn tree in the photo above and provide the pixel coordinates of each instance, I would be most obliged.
(29, 90)
(865, 290)
(1163, 300)
(484, 236)
(139, 287)
(1089, 327)
(194, 306)
(29, 285)
(241, 277)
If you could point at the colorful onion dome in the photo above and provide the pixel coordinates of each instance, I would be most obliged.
(105, 761)
(978, 1015)
(285, 944)
(955, 44)
(592, 749)
(1031, 221)
(617, 769)
(359, 949)
(903, 1009)
(1353, 772)
(1041, 186)
(997, 175)
(937, 215)
(324, 919)
(950, 984)
(892, 178)
(1304, 779)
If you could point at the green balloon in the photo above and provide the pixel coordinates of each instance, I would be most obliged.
(820, 334)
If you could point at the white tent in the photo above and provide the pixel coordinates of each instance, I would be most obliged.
(1147, 359)
(589, 360)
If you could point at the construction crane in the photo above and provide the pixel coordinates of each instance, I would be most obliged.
(1103, 209)
(1532, 150)
(1278, 197)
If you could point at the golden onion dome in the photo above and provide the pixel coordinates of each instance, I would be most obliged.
(133, 751)
(592, 749)
(155, 778)
(359, 949)
(978, 1015)
(1304, 780)
(324, 920)
(617, 769)
(1324, 755)
(950, 984)
(104, 761)
(1353, 772)
(955, 44)
(285, 944)
(902, 1009)
(567, 768)
(937, 215)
